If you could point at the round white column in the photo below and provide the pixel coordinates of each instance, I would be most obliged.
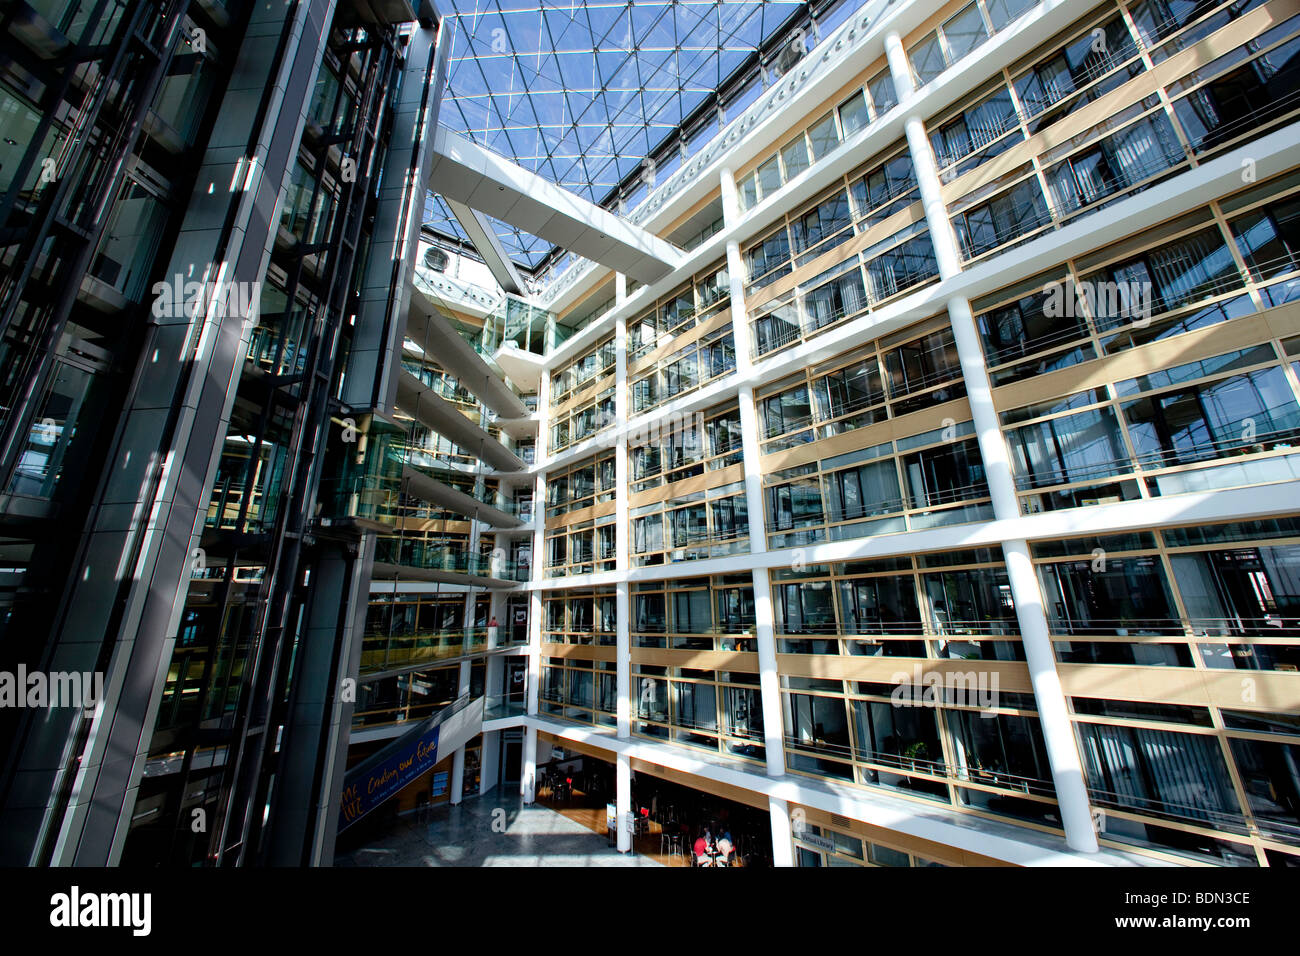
(622, 542)
(782, 847)
(1054, 718)
(623, 802)
(769, 683)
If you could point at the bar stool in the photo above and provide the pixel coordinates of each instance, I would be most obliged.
(676, 845)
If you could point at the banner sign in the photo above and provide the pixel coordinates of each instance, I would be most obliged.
(370, 786)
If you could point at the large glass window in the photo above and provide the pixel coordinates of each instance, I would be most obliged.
(1000, 748)
(824, 136)
(980, 129)
(1243, 100)
(885, 189)
(1111, 595)
(1182, 776)
(1269, 238)
(964, 32)
(1208, 420)
(1072, 448)
(54, 427)
(1113, 164)
(1002, 219)
(822, 228)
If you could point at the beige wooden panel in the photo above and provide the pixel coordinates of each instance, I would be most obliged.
(583, 395)
(1143, 360)
(1012, 676)
(1284, 320)
(588, 513)
(913, 423)
(432, 524)
(579, 652)
(746, 661)
(1263, 691)
(664, 349)
(688, 486)
(1133, 91)
(841, 253)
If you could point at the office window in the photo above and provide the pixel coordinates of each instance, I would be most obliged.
(883, 96)
(927, 59)
(794, 157)
(824, 136)
(964, 32)
(981, 129)
(822, 228)
(1182, 776)
(1269, 238)
(853, 114)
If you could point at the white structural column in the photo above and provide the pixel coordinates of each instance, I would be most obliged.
(1054, 719)
(782, 841)
(528, 772)
(769, 683)
(472, 548)
(458, 758)
(623, 801)
(622, 604)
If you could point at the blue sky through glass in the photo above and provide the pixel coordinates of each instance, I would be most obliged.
(581, 93)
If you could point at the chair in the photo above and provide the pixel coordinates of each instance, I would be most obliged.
(675, 847)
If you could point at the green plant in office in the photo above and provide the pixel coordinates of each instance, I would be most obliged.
(915, 751)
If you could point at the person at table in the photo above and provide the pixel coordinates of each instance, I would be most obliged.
(725, 849)
(701, 849)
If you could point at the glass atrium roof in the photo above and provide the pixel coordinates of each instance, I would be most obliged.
(582, 93)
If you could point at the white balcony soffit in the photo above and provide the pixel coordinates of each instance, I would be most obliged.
(465, 172)
(523, 367)
(430, 489)
(484, 238)
(428, 328)
(433, 411)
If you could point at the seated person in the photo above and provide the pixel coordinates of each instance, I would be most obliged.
(725, 848)
(701, 849)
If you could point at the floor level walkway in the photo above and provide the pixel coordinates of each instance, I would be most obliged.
(493, 830)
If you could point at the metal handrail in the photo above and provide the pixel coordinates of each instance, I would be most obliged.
(1104, 65)
(1165, 809)
(1215, 448)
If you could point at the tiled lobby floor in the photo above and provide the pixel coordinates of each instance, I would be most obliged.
(465, 836)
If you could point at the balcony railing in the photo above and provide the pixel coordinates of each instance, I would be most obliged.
(381, 652)
(805, 324)
(423, 555)
(1268, 626)
(1165, 809)
(1039, 213)
(1184, 453)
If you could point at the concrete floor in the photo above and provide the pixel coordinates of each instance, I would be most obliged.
(471, 835)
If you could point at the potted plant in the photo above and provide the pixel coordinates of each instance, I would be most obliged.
(915, 751)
